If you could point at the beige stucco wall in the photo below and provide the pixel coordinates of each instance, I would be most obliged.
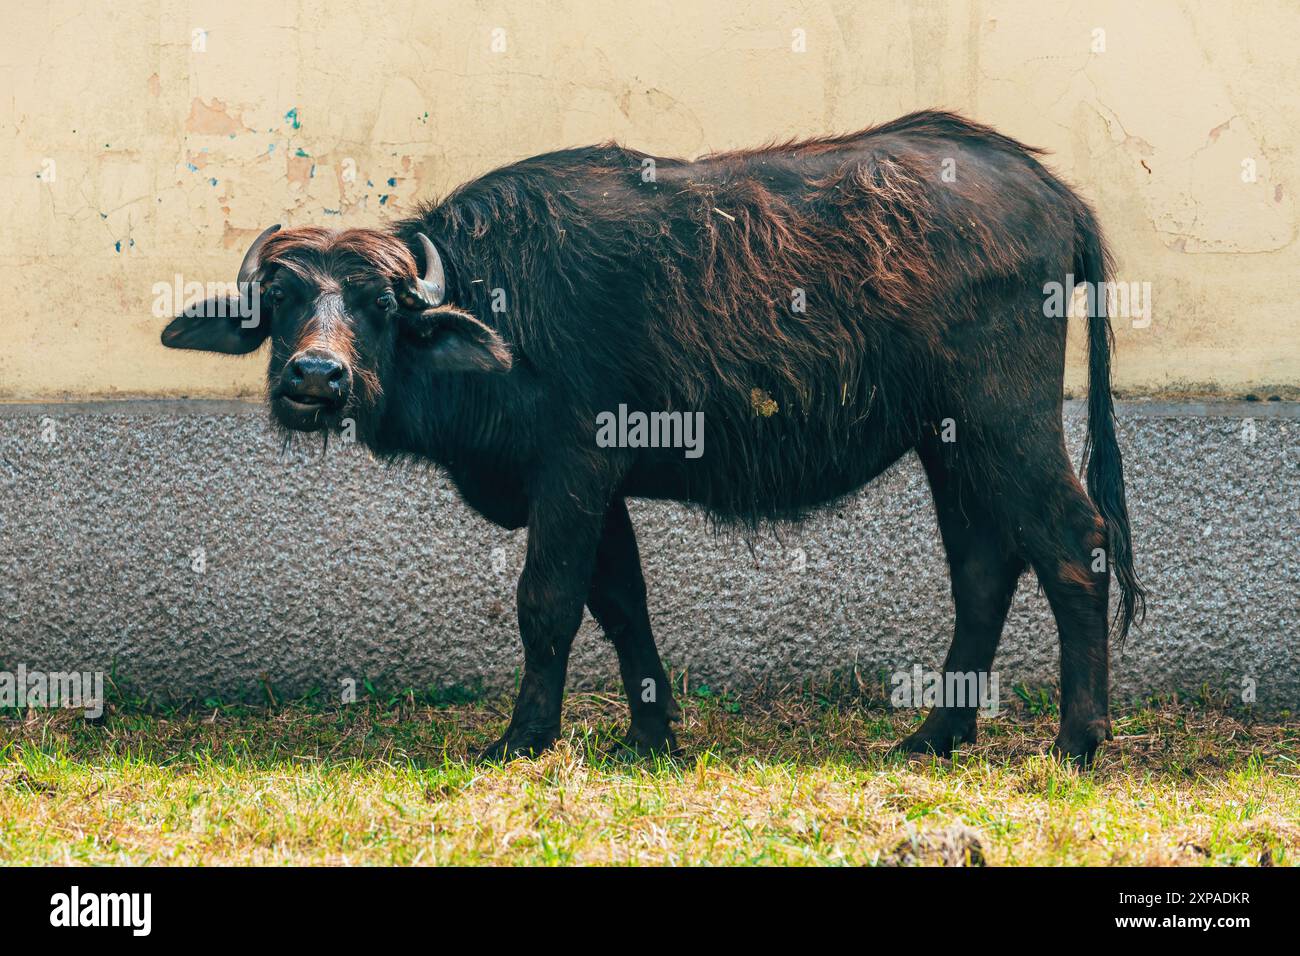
(146, 139)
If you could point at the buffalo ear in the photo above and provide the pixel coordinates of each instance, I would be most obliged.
(220, 324)
(455, 341)
(230, 323)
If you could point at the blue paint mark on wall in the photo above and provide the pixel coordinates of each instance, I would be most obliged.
(291, 118)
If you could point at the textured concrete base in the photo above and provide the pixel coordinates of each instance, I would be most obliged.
(175, 544)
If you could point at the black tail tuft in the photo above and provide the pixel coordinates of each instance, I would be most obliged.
(1102, 461)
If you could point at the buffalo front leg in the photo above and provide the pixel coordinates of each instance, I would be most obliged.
(617, 600)
(552, 589)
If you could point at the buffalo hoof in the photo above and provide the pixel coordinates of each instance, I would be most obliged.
(641, 743)
(516, 744)
(1078, 744)
(938, 737)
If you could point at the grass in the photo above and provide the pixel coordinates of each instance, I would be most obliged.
(799, 779)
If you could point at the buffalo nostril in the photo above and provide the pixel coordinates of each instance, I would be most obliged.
(317, 373)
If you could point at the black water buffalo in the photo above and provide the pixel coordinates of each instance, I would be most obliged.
(826, 306)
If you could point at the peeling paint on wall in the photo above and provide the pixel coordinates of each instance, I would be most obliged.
(212, 118)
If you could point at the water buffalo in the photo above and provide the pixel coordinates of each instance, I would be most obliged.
(825, 305)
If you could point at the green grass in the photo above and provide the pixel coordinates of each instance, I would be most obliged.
(800, 779)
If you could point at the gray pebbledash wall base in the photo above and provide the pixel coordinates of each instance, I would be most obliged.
(174, 546)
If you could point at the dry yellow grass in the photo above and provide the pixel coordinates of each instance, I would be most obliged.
(798, 780)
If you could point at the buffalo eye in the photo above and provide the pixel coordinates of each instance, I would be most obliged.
(274, 294)
(387, 302)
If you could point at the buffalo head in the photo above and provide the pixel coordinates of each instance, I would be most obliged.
(351, 317)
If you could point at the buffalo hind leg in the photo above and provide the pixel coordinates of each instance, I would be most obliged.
(617, 601)
(1075, 579)
(1062, 535)
(984, 570)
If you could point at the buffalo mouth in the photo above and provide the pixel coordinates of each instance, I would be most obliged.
(307, 412)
